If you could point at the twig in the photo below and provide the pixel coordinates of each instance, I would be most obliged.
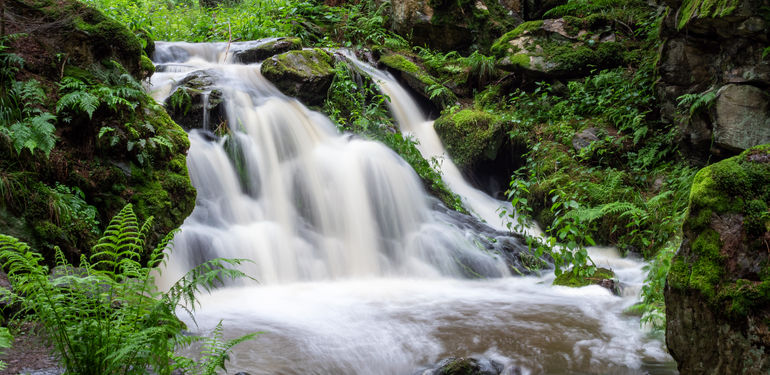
(229, 41)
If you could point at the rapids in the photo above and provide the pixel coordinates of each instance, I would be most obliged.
(360, 271)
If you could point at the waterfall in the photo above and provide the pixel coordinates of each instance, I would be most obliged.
(360, 271)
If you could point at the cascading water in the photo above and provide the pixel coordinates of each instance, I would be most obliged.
(360, 271)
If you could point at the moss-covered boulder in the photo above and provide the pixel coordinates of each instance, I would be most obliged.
(306, 75)
(259, 52)
(470, 136)
(718, 287)
(120, 148)
(602, 276)
(418, 79)
(556, 48)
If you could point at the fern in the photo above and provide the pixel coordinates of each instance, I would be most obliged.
(33, 133)
(698, 103)
(106, 316)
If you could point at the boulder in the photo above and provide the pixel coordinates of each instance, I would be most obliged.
(742, 117)
(557, 48)
(261, 51)
(718, 288)
(197, 103)
(704, 49)
(306, 75)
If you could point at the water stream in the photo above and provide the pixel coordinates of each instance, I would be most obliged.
(360, 271)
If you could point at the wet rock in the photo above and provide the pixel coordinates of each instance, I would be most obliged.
(556, 48)
(262, 51)
(718, 288)
(742, 117)
(196, 103)
(704, 50)
(475, 365)
(306, 75)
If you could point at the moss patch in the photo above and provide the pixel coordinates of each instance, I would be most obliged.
(470, 136)
(572, 279)
(728, 221)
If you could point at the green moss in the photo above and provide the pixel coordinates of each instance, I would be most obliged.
(398, 62)
(521, 60)
(738, 186)
(304, 63)
(691, 9)
(146, 66)
(470, 136)
(501, 45)
(573, 279)
(583, 58)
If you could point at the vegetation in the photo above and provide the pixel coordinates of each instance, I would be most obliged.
(105, 315)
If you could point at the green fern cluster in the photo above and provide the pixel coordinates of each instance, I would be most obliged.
(21, 119)
(106, 315)
(115, 92)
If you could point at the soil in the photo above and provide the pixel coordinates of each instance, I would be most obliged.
(30, 355)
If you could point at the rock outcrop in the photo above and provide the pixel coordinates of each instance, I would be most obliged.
(453, 25)
(122, 148)
(559, 48)
(718, 288)
(713, 75)
(306, 75)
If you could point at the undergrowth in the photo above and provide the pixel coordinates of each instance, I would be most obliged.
(105, 315)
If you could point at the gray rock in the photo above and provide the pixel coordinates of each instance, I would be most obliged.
(742, 117)
(585, 138)
(197, 103)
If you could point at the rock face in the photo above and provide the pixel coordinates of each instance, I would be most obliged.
(718, 288)
(453, 25)
(306, 75)
(117, 154)
(558, 48)
(716, 49)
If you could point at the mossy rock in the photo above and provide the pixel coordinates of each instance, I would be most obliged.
(102, 161)
(262, 51)
(558, 48)
(306, 75)
(602, 276)
(75, 34)
(470, 136)
(417, 78)
(718, 287)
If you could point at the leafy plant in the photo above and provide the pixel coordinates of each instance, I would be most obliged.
(106, 315)
(26, 125)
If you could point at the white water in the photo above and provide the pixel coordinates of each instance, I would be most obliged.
(359, 273)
